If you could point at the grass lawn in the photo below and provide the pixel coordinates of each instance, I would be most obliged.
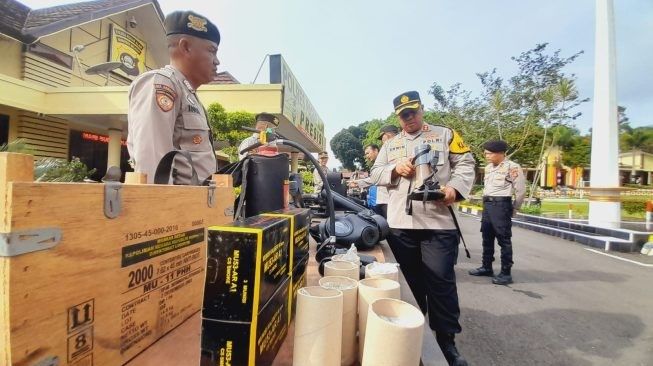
(580, 208)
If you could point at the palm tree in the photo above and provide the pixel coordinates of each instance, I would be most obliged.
(555, 104)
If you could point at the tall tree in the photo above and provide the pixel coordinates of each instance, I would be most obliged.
(226, 126)
(348, 149)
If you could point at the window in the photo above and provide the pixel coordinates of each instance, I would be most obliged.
(4, 129)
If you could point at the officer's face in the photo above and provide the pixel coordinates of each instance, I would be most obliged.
(371, 153)
(411, 119)
(204, 60)
(262, 125)
(323, 161)
(494, 157)
(387, 136)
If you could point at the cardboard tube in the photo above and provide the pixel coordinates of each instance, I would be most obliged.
(342, 257)
(342, 268)
(349, 288)
(371, 289)
(394, 328)
(318, 327)
(372, 271)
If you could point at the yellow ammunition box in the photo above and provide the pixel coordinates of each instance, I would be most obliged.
(247, 343)
(300, 222)
(298, 280)
(247, 262)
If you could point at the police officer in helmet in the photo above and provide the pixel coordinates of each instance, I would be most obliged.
(426, 240)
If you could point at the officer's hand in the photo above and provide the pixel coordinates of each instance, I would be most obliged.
(352, 184)
(449, 195)
(405, 168)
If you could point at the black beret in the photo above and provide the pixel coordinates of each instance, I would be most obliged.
(388, 129)
(193, 24)
(267, 117)
(407, 100)
(496, 146)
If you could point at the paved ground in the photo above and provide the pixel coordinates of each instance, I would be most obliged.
(568, 306)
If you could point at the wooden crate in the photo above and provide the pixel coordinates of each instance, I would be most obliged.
(106, 288)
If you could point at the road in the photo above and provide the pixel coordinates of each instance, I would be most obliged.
(568, 306)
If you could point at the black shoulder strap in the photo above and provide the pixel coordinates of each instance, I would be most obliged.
(162, 174)
(460, 233)
(239, 213)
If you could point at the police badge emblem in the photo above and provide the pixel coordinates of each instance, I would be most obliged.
(197, 23)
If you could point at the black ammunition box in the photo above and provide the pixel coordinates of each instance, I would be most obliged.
(298, 279)
(242, 343)
(300, 222)
(246, 264)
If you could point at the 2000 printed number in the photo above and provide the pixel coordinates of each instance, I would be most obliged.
(140, 275)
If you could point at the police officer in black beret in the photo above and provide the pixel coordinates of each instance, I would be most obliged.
(164, 111)
(387, 132)
(502, 178)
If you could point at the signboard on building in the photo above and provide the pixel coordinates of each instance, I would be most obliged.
(124, 47)
(296, 105)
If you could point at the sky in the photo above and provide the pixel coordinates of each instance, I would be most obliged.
(352, 57)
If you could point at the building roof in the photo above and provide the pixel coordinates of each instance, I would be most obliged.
(28, 25)
(225, 78)
(12, 18)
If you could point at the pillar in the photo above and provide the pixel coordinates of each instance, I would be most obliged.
(113, 156)
(294, 161)
(605, 204)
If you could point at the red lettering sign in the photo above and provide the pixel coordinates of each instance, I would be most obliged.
(100, 138)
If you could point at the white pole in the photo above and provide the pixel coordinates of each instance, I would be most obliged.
(605, 205)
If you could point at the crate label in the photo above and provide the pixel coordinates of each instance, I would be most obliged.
(80, 344)
(85, 361)
(155, 290)
(136, 253)
(80, 315)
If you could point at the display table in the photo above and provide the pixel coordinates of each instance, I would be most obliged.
(181, 347)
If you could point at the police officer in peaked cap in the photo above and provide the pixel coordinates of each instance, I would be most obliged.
(263, 121)
(425, 239)
(323, 159)
(164, 111)
(503, 178)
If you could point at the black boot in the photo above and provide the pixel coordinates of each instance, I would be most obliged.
(449, 350)
(484, 270)
(503, 278)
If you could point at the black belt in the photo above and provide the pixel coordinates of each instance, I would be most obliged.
(496, 199)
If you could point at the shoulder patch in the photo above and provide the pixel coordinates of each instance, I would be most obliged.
(514, 173)
(457, 145)
(165, 97)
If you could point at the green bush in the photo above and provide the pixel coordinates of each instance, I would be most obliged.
(634, 205)
(58, 170)
(307, 179)
(531, 210)
(477, 190)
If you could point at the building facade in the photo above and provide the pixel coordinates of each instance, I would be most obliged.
(66, 70)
